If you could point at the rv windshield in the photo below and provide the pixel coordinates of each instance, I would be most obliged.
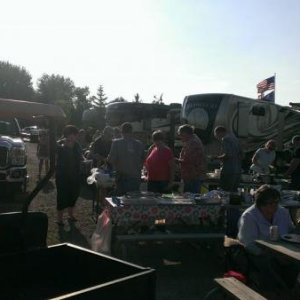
(201, 111)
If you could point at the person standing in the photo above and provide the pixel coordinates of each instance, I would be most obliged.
(67, 175)
(191, 159)
(231, 158)
(101, 147)
(127, 156)
(82, 140)
(294, 169)
(263, 158)
(159, 165)
(42, 152)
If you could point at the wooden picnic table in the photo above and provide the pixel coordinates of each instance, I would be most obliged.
(287, 250)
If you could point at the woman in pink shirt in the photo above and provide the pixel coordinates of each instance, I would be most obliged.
(159, 165)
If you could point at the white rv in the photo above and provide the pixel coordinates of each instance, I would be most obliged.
(145, 118)
(252, 121)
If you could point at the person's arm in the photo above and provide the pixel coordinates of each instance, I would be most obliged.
(38, 148)
(248, 233)
(293, 166)
(225, 150)
(112, 156)
(255, 158)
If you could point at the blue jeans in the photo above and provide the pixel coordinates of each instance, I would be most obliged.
(192, 186)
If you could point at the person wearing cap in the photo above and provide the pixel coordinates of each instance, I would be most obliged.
(101, 147)
(127, 156)
(294, 169)
(263, 158)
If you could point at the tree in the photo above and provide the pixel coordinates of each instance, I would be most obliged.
(137, 98)
(56, 89)
(100, 100)
(81, 102)
(15, 82)
(158, 100)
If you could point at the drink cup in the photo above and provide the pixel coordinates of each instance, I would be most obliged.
(274, 234)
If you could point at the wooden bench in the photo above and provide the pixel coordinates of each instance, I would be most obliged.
(121, 240)
(238, 290)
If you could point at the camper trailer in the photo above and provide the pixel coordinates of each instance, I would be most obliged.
(145, 118)
(252, 121)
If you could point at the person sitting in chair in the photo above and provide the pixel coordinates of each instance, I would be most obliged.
(254, 224)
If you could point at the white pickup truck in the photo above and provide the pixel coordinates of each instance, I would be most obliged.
(13, 170)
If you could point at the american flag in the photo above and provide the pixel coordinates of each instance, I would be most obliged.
(270, 97)
(267, 84)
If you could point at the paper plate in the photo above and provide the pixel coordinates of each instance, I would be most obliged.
(293, 238)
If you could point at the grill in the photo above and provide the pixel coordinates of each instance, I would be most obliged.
(3, 157)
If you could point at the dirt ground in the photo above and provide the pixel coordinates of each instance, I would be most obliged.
(195, 265)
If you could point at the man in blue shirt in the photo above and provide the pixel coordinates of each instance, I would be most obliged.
(127, 157)
(231, 157)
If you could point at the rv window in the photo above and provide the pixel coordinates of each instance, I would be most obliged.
(258, 110)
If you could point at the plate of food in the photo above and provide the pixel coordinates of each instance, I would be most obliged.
(291, 237)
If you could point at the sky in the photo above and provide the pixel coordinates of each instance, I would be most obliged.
(152, 47)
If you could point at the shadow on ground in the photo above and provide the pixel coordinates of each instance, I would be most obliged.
(71, 234)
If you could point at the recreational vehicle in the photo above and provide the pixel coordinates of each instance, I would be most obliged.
(252, 121)
(145, 118)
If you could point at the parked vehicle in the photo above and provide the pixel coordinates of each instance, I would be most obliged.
(252, 121)
(31, 132)
(13, 170)
(145, 118)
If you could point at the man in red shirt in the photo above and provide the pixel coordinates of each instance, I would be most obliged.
(192, 159)
(159, 165)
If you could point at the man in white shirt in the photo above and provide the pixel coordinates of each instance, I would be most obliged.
(263, 158)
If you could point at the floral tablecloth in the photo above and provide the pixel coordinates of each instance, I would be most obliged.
(131, 218)
(171, 213)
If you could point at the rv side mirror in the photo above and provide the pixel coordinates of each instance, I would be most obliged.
(258, 110)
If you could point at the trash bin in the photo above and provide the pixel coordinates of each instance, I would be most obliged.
(66, 271)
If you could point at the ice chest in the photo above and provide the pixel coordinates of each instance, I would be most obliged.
(66, 271)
